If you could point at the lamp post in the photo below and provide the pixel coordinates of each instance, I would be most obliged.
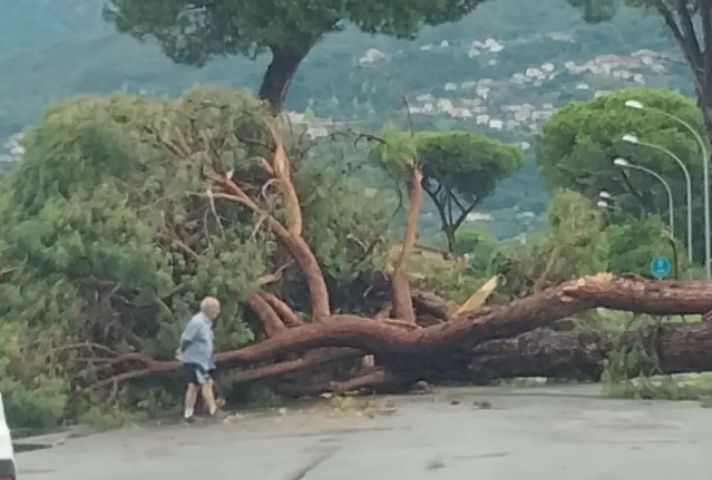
(623, 163)
(633, 139)
(705, 152)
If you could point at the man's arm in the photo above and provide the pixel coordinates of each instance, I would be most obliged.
(189, 335)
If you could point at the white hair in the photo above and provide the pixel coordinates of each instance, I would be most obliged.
(210, 306)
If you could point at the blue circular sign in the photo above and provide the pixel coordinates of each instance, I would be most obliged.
(661, 267)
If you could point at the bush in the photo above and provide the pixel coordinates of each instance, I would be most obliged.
(633, 245)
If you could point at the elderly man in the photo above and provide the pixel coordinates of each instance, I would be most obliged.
(196, 354)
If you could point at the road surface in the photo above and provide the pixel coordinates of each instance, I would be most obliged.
(528, 434)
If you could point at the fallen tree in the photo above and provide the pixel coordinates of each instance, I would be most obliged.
(486, 343)
(198, 196)
(299, 338)
(490, 343)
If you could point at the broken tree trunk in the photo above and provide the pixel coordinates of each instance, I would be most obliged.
(580, 354)
(402, 298)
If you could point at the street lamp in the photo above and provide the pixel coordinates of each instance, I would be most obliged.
(633, 139)
(604, 201)
(623, 163)
(704, 150)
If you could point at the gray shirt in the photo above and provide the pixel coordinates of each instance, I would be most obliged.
(199, 333)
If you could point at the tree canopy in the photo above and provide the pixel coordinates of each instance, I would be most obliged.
(579, 143)
(460, 169)
(193, 32)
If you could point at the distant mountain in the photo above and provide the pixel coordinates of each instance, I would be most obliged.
(32, 24)
(502, 70)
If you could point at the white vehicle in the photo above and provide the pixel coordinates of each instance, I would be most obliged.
(7, 455)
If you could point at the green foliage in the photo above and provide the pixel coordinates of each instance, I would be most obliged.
(34, 393)
(578, 144)
(346, 227)
(576, 231)
(577, 243)
(93, 217)
(479, 243)
(466, 164)
(193, 34)
(456, 281)
(632, 366)
(110, 239)
(396, 152)
(459, 168)
(633, 245)
(98, 199)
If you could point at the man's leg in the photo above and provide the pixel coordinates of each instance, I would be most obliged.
(209, 396)
(191, 393)
(217, 391)
(191, 396)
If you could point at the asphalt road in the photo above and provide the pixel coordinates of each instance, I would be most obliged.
(532, 434)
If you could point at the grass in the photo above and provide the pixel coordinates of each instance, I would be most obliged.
(688, 386)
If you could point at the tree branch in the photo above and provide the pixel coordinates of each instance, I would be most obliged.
(438, 205)
(465, 213)
(295, 244)
(271, 322)
(282, 172)
(315, 358)
(288, 316)
(179, 245)
(450, 218)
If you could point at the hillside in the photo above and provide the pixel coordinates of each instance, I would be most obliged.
(502, 70)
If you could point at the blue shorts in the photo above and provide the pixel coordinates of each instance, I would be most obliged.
(196, 374)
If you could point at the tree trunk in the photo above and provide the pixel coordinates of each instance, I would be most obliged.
(581, 355)
(279, 75)
(402, 298)
(450, 235)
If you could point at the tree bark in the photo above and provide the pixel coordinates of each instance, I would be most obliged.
(271, 322)
(315, 358)
(288, 316)
(278, 77)
(427, 303)
(581, 355)
(402, 298)
(450, 236)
